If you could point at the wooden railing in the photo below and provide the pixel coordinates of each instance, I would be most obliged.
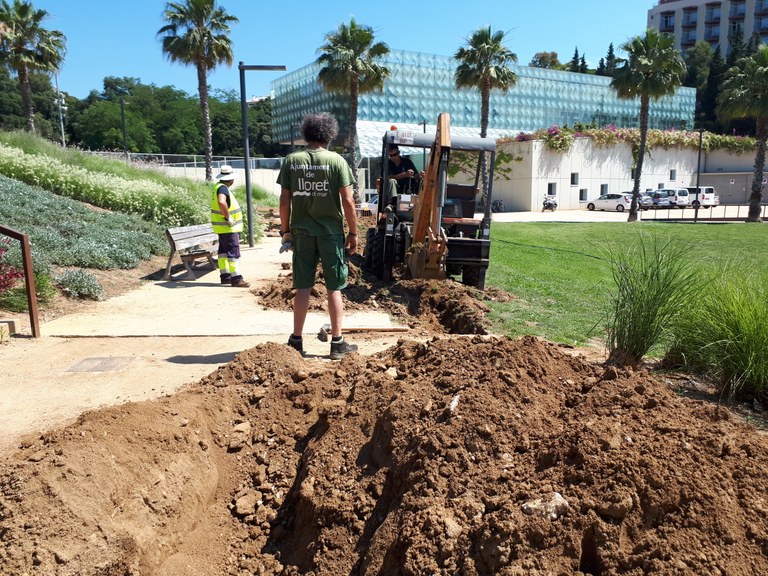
(29, 276)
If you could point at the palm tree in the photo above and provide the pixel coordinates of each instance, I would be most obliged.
(348, 61)
(744, 94)
(197, 34)
(484, 64)
(653, 69)
(25, 46)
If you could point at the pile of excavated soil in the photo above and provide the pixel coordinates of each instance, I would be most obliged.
(466, 455)
(431, 307)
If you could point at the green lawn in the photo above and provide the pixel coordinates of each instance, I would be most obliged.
(562, 278)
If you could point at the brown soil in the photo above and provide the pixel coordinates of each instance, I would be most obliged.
(461, 453)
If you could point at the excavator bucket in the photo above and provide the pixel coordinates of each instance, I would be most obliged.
(426, 258)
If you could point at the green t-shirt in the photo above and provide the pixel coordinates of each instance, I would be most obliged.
(314, 177)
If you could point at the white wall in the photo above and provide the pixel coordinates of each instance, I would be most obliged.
(263, 178)
(534, 167)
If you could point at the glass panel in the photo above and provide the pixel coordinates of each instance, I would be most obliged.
(420, 86)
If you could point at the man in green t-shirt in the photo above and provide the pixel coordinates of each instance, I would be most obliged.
(315, 199)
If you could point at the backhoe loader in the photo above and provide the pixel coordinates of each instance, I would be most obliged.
(435, 233)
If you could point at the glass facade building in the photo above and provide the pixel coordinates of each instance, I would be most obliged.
(420, 86)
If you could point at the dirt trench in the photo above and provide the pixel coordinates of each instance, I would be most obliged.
(453, 452)
(459, 455)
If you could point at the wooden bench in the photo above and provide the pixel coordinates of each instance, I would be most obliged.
(191, 243)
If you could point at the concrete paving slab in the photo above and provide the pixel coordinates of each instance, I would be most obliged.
(201, 307)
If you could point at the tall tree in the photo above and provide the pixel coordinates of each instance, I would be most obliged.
(197, 34)
(708, 116)
(744, 94)
(610, 61)
(583, 68)
(698, 60)
(485, 64)
(349, 61)
(546, 60)
(25, 46)
(600, 70)
(573, 65)
(736, 48)
(652, 69)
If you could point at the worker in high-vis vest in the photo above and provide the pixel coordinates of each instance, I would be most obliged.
(227, 221)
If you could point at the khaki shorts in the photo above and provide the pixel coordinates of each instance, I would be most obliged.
(308, 250)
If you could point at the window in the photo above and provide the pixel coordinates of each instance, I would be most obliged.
(552, 189)
(660, 186)
(667, 20)
(673, 175)
(582, 194)
(603, 189)
(632, 174)
(574, 178)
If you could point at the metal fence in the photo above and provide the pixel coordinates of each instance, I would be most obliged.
(190, 160)
(722, 213)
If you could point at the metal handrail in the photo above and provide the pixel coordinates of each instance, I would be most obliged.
(29, 276)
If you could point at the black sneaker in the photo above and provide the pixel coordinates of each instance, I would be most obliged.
(296, 343)
(341, 348)
(226, 278)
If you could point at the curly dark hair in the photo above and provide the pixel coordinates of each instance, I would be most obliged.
(319, 128)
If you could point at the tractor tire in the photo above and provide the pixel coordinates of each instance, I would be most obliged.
(473, 276)
(377, 254)
(368, 253)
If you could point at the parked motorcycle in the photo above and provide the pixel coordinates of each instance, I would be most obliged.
(549, 204)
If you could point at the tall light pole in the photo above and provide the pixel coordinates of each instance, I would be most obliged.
(698, 172)
(62, 109)
(246, 144)
(122, 121)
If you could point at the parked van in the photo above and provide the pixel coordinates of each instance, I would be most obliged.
(678, 197)
(703, 197)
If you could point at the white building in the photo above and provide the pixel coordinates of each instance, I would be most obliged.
(586, 171)
(710, 20)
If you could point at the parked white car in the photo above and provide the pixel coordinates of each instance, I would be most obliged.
(676, 197)
(703, 197)
(616, 201)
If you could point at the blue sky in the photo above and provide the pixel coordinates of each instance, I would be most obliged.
(118, 37)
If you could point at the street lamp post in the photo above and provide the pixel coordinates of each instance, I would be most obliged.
(698, 172)
(62, 108)
(293, 142)
(125, 132)
(246, 144)
(424, 152)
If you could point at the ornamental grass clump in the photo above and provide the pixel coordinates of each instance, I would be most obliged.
(725, 335)
(650, 279)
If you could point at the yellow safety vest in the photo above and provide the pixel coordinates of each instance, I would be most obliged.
(220, 225)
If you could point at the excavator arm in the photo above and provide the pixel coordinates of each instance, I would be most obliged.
(426, 258)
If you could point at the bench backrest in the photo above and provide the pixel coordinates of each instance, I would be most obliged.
(188, 236)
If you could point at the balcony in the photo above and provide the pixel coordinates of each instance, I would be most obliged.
(687, 42)
(761, 9)
(689, 21)
(737, 12)
(712, 19)
(667, 22)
